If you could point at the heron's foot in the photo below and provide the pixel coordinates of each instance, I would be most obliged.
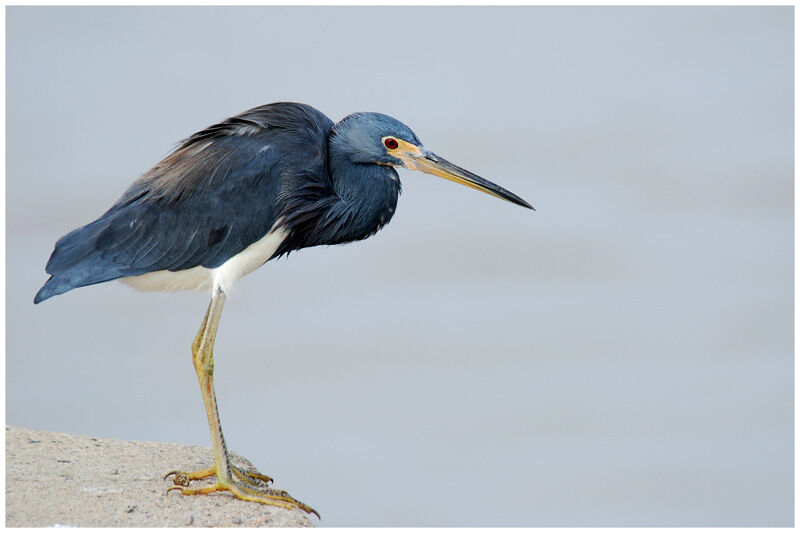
(247, 486)
(245, 476)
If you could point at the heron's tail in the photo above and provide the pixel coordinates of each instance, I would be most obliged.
(76, 262)
(52, 287)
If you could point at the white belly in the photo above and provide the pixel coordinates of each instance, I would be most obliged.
(201, 278)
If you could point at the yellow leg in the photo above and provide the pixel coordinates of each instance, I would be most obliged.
(242, 484)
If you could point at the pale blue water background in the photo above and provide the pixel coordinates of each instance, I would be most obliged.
(622, 356)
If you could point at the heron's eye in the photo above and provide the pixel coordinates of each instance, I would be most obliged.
(390, 143)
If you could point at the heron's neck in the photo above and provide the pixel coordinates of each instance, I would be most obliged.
(368, 192)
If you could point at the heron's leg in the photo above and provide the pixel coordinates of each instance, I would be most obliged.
(203, 358)
(183, 478)
(243, 484)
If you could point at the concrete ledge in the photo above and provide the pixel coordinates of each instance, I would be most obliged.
(71, 480)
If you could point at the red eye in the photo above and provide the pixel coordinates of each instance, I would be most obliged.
(390, 143)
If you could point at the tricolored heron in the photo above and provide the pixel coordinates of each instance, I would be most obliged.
(256, 186)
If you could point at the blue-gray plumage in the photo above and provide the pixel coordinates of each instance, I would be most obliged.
(225, 187)
(271, 180)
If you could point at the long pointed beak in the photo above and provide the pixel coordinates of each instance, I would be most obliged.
(426, 161)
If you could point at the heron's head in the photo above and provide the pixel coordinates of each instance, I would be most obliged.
(375, 138)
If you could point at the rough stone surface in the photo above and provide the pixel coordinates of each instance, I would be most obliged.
(71, 480)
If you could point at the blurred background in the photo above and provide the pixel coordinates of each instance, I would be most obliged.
(622, 356)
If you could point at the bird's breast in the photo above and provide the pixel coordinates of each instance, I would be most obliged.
(369, 213)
